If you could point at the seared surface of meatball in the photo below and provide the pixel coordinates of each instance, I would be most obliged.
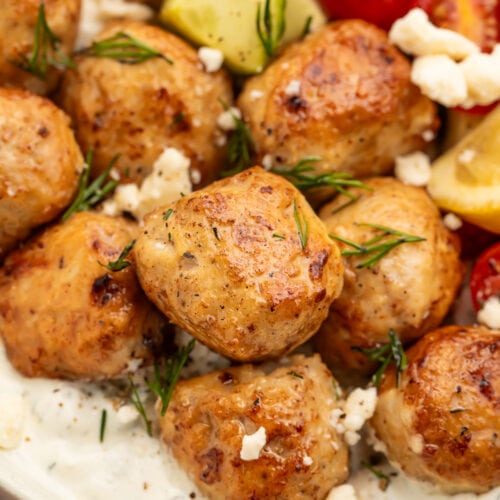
(227, 264)
(39, 164)
(409, 290)
(343, 95)
(302, 456)
(18, 21)
(443, 422)
(63, 314)
(137, 110)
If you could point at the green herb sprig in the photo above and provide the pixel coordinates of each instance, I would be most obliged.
(164, 382)
(302, 225)
(120, 263)
(271, 25)
(45, 52)
(378, 246)
(124, 48)
(378, 473)
(135, 398)
(90, 195)
(386, 354)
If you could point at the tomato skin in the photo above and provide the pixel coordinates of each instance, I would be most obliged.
(485, 276)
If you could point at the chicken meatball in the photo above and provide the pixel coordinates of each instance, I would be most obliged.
(342, 95)
(39, 164)
(258, 432)
(410, 289)
(64, 314)
(244, 265)
(442, 424)
(18, 25)
(138, 110)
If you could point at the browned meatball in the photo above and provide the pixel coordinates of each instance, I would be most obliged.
(18, 21)
(39, 164)
(443, 422)
(63, 314)
(301, 456)
(138, 110)
(343, 95)
(409, 290)
(244, 265)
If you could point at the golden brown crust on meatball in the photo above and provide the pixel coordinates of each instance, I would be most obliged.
(17, 35)
(137, 110)
(228, 265)
(63, 314)
(39, 164)
(355, 107)
(303, 457)
(409, 290)
(443, 422)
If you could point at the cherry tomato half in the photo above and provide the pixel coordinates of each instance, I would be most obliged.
(485, 277)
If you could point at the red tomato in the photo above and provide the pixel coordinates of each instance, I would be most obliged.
(478, 110)
(380, 12)
(485, 277)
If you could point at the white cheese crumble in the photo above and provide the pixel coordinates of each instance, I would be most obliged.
(212, 59)
(416, 35)
(452, 222)
(12, 416)
(256, 94)
(252, 444)
(267, 162)
(307, 461)
(416, 443)
(428, 135)
(227, 119)
(169, 178)
(466, 156)
(343, 492)
(351, 415)
(293, 88)
(127, 414)
(489, 315)
(413, 169)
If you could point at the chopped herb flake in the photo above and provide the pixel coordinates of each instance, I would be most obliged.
(121, 263)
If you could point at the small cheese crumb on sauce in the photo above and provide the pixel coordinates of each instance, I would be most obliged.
(343, 492)
(307, 461)
(252, 444)
(452, 222)
(489, 315)
(12, 416)
(212, 59)
(293, 88)
(227, 120)
(413, 169)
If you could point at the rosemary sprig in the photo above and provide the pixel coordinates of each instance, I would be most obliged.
(271, 26)
(302, 225)
(90, 195)
(121, 263)
(164, 383)
(168, 213)
(136, 401)
(307, 27)
(298, 175)
(378, 473)
(378, 246)
(293, 373)
(124, 48)
(45, 52)
(102, 430)
(386, 354)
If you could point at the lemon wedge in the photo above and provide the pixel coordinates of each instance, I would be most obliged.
(466, 179)
(230, 26)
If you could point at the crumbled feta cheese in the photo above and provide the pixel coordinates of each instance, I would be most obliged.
(267, 162)
(195, 176)
(343, 492)
(133, 365)
(413, 169)
(416, 443)
(256, 94)
(416, 35)
(466, 156)
(489, 315)
(227, 119)
(452, 222)
(293, 88)
(212, 59)
(307, 461)
(12, 416)
(428, 135)
(440, 78)
(169, 178)
(252, 444)
(127, 414)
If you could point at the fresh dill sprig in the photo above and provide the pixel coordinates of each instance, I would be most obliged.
(298, 175)
(378, 473)
(135, 398)
(102, 430)
(120, 263)
(378, 246)
(124, 48)
(45, 52)
(90, 195)
(271, 25)
(386, 354)
(302, 225)
(164, 383)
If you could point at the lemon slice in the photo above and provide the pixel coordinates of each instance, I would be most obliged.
(230, 26)
(466, 179)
